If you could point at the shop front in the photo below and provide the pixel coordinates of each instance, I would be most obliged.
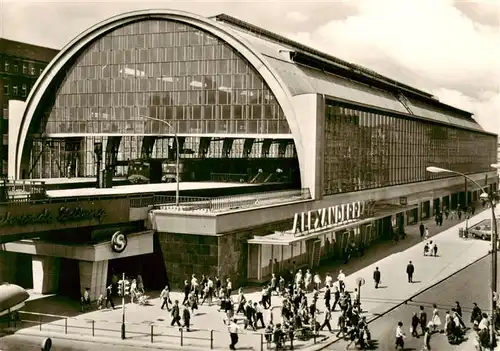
(412, 216)
(284, 251)
(316, 236)
(425, 207)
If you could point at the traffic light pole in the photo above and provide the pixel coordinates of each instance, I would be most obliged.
(123, 306)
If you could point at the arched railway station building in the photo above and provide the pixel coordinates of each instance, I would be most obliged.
(287, 155)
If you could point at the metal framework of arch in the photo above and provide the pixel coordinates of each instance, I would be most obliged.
(73, 49)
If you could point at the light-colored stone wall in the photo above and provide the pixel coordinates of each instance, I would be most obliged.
(45, 274)
(93, 275)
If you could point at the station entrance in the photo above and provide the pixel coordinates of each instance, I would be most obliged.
(150, 266)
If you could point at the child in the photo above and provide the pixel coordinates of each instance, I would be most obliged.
(100, 302)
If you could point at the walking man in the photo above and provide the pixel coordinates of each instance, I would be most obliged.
(186, 316)
(336, 296)
(400, 335)
(109, 296)
(326, 323)
(341, 278)
(376, 277)
(259, 314)
(423, 319)
(415, 321)
(410, 269)
(422, 230)
(233, 334)
(328, 296)
(176, 314)
(165, 296)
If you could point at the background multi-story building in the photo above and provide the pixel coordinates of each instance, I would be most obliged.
(20, 66)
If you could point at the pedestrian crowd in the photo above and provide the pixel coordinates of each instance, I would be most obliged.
(299, 317)
(454, 327)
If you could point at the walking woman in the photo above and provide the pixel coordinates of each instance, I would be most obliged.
(400, 335)
(436, 320)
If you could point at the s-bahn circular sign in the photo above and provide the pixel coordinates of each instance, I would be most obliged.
(118, 242)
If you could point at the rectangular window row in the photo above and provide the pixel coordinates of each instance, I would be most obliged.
(154, 55)
(159, 26)
(15, 92)
(157, 68)
(171, 98)
(188, 126)
(225, 83)
(19, 66)
(157, 40)
(188, 112)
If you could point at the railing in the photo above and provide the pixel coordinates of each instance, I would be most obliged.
(222, 203)
(62, 200)
(22, 190)
(150, 332)
(228, 177)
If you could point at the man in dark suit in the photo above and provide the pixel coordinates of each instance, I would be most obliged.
(249, 314)
(176, 314)
(328, 296)
(336, 296)
(423, 319)
(109, 296)
(410, 269)
(422, 231)
(187, 290)
(376, 277)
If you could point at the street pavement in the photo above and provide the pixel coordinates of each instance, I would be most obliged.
(468, 286)
(454, 254)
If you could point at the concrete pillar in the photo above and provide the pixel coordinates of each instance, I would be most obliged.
(431, 208)
(310, 111)
(8, 267)
(93, 275)
(45, 274)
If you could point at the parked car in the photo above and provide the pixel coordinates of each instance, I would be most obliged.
(482, 230)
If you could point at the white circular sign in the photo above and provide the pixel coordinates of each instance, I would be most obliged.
(118, 242)
(360, 281)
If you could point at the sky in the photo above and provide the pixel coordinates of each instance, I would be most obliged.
(448, 48)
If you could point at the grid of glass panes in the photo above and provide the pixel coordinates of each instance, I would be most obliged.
(50, 157)
(366, 149)
(166, 70)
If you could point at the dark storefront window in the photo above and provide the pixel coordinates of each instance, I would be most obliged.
(365, 150)
(165, 70)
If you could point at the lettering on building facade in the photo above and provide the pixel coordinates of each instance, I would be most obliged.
(44, 217)
(331, 216)
(64, 215)
(79, 214)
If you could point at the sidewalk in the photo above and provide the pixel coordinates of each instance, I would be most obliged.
(454, 254)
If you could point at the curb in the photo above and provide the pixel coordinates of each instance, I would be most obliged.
(404, 302)
(101, 340)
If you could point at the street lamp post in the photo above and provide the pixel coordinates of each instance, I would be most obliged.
(177, 160)
(494, 236)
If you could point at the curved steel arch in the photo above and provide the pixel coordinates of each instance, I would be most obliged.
(72, 49)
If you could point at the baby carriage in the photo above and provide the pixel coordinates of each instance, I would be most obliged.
(142, 299)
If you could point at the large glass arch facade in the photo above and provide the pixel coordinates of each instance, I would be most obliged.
(167, 70)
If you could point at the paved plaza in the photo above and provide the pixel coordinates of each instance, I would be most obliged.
(208, 327)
